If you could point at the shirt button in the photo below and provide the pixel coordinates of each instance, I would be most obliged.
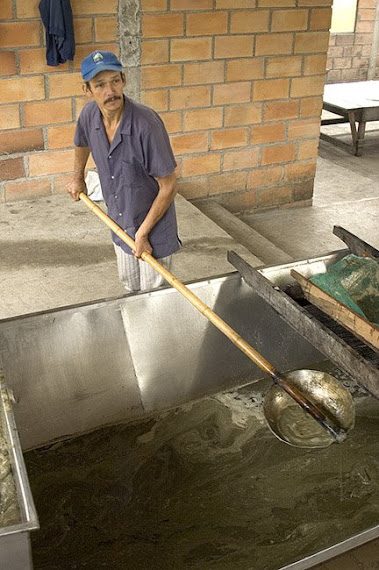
(110, 156)
(112, 177)
(120, 214)
(116, 196)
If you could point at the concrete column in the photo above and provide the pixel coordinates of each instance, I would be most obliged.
(129, 15)
(374, 46)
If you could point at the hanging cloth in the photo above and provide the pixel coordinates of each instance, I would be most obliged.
(57, 18)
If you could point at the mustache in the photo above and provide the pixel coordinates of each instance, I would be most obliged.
(111, 99)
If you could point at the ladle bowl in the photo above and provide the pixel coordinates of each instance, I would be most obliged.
(291, 424)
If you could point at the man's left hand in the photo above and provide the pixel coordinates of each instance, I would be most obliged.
(142, 244)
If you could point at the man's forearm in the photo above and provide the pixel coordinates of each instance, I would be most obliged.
(81, 157)
(165, 196)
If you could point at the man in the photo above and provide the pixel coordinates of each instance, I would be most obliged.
(136, 167)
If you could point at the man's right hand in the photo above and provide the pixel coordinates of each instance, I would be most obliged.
(75, 186)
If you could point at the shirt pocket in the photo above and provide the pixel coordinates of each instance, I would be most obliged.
(133, 175)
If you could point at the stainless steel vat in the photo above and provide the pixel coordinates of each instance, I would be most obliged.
(82, 367)
(15, 552)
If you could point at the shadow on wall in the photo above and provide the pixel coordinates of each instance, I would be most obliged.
(45, 253)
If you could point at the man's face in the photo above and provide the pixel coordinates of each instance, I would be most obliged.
(106, 88)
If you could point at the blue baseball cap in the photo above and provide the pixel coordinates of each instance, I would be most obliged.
(99, 61)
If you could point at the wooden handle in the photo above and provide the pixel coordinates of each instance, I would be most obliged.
(219, 323)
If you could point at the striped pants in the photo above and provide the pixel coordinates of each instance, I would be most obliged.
(137, 275)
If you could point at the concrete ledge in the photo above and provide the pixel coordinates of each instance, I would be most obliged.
(254, 242)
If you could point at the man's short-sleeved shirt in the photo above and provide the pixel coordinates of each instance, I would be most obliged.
(128, 167)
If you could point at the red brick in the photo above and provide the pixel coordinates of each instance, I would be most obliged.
(11, 168)
(289, 66)
(311, 42)
(156, 99)
(172, 121)
(262, 177)
(320, 19)
(249, 21)
(8, 63)
(228, 182)
(65, 85)
(242, 70)
(153, 6)
(34, 61)
(79, 103)
(307, 86)
(248, 114)
(12, 142)
(207, 23)
(278, 153)
(27, 9)
(315, 2)
(220, 4)
(267, 133)
(271, 197)
(303, 129)
(231, 93)
(187, 97)
(155, 76)
(189, 144)
(83, 30)
(162, 25)
(47, 112)
(54, 162)
(184, 5)
(311, 107)
(9, 117)
(202, 119)
(308, 149)
(270, 89)
(299, 171)
(238, 201)
(364, 27)
(314, 64)
(289, 20)
(27, 189)
(61, 136)
(274, 44)
(228, 138)
(240, 159)
(203, 72)
(16, 34)
(155, 51)
(105, 29)
(233, 46)
(275, 111)
(90, 7)
(19, 89)
(276, 3)
(5, 9)
(187, 49)
(199, 165)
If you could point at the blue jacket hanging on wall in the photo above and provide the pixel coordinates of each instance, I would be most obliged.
(57, 18)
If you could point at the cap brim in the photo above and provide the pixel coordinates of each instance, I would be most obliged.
(99, 68)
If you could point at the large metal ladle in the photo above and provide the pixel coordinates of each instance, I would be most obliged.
(326, 420)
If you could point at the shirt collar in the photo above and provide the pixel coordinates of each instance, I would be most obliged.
(126, 121)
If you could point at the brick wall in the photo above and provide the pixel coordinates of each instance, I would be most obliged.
(238, 83)
(38, 103)
(349, 54)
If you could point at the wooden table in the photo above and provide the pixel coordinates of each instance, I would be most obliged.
(355, 103)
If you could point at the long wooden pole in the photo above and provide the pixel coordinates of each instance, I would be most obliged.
(338, 434)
